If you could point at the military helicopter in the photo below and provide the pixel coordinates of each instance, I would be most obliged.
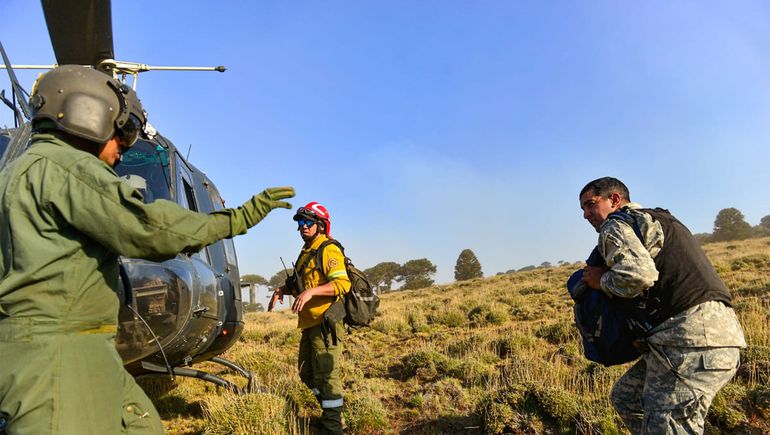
(178, 312)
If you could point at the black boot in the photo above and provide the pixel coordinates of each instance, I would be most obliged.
(331, 421)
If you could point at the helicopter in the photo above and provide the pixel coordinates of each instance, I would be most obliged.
(178, 312)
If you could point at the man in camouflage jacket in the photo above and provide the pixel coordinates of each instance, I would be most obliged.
(693, 348)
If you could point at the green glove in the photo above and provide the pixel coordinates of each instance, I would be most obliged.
(255, 209)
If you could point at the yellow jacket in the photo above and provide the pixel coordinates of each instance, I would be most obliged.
(332, 270)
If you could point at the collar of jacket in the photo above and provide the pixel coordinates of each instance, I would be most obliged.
(316, 242)
(632, 206)
(47, 137)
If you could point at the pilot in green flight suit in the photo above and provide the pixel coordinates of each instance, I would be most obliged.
(65, 216)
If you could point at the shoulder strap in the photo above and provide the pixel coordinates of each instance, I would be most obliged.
(300, 267)
(624, 216)
(319, 253)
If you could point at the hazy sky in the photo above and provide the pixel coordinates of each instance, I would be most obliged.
(433, 126)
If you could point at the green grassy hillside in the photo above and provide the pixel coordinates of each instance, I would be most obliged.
(493, 355)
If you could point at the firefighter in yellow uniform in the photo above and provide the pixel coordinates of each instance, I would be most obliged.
(322, 281)
(65, 216)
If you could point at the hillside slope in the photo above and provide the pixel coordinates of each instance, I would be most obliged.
(493, 355)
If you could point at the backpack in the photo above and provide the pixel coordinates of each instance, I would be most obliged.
(360, 304)
(613, 329)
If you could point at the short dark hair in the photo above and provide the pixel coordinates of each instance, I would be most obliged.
(605, 186)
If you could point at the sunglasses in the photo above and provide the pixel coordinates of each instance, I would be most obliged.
(305, 223)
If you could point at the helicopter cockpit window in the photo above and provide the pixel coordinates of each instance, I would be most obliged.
(145, 167)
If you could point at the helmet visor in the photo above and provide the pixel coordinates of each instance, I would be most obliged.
(129, 132)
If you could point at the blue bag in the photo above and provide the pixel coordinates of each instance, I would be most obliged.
(613, 329)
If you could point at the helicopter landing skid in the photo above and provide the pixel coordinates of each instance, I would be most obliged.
(158, 370)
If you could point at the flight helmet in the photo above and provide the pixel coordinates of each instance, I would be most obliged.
(317, 213)
(87, 104)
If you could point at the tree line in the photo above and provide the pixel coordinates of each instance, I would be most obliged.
(413, 274)
(730, 224)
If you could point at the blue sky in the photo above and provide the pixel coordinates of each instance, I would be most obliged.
(430, 127)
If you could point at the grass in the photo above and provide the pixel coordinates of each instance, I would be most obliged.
(494, 355)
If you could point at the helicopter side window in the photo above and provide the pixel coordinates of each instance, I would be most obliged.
(186, 196)
(145, 167)
(189, 196)
(219, 204)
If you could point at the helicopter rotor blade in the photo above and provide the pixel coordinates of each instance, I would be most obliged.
(80, 30)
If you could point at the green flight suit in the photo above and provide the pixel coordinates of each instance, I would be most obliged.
(64, 218)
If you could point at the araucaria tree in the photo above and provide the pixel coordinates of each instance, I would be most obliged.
(253, 281)
(383, 274)
(467, 266)
(730, 225)
(416, 274)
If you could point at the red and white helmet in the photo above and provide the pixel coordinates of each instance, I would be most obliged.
(315, 212)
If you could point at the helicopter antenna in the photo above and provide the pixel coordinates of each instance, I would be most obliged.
(189, 147)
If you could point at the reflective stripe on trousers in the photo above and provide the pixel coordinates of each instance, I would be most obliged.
(335, 403)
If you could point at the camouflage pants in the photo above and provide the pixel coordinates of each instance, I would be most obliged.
(652, 400)
(319, 369)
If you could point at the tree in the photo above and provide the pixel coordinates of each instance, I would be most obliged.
(763, 229)
(277, 280)
(253, 281)
(765, 222)
(383, 274)
(416, 274)
(467, 266)
(730, 225)
(545, 264)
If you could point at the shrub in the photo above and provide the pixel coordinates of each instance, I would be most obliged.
(513, 344)
(445, 397)
(557, 403)
(452, 318)
(416, 401)
(364, 413)
(472, 372)
(558, 333)
(425, 363)
(759, 398)
(755, 364)
(391, 326)
(751, 262)
(299, 397)
(533, 289)
(246, 414)
(512, 409)
(725, 411)
(417, 321)
(484, 314)
(466, 344)
(526, 312)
